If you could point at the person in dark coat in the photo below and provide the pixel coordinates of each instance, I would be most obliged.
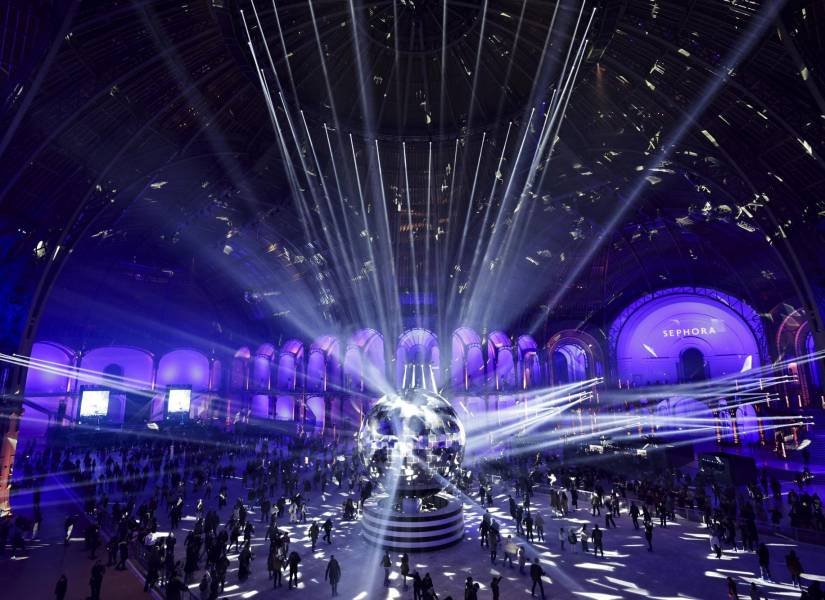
(733, 592)
(649, 536)
(328, 531)
(386, 562)
(123, 550)
(405, 568)
(333, 574)
(536, 573)
(418, 586)
(293, 561)
(61, 587)
(494, 586)
(794, 568)
(764, 561)
(277, 568)
(96, 580)
(314, 530)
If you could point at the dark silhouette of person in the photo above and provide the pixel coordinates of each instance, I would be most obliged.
(598, 541)
(96, 580)
(386, 562)
(418, 586)
(794, 568)
(333, 574)
(328, 531)
(649, 536)
(61, 588)
(293, 561)
(123, 551)
(535, 574)
(405, 568)
(314, 530)
(764, 561)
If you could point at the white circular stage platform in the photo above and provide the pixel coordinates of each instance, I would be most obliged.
(434, 526)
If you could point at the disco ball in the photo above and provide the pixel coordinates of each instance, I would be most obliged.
(412, 444)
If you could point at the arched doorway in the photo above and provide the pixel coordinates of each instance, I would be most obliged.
(572, 356)
(692, 366)
(570, 364)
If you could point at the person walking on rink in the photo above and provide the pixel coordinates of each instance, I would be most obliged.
(333, 574)
(649, 536)
(386, 562)
(536, 573)
(61, 588)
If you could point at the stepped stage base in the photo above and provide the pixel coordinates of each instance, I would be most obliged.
(437, 525)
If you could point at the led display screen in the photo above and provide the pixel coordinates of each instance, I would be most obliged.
(94, 403)
(179, 400)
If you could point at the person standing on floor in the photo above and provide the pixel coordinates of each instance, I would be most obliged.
(494, 586)
(328, 531)
(333, 574)
(405, 568)
(649, 536)
(277, 569)
(314, 530)
(386, 562)
(562, 535)
(96, 580)
(634, 515)
(536, 573)
(764, 562)
(492, 544)
(538, 522)
(123, 552)
(794, 568)
(61, 588)
(293, 561)
(598, 537)
(510, 550)
(522, 559)
(418, 586)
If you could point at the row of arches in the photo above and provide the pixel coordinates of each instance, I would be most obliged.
(494, 362)
(137, 378)
(673, 335)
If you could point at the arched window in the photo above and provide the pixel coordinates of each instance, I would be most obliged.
(418, 360)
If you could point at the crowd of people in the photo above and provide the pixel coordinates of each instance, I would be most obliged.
(232, 486)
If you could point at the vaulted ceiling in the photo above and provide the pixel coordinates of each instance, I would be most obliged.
(139, 150)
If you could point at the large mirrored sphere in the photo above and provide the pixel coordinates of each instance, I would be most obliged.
(412, 444)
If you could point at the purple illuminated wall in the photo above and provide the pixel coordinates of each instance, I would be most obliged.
(467, 362)
(43, 409)
(651, 340)
(42, 381)
(529, 367)
(184, 367)
(290, 365)
(262, 367)
(501, 368)
(315, 414)
(364, 361)
(417, 349)
(136, 366)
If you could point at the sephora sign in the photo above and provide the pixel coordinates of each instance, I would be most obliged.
(651, 339)
(710, 329)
